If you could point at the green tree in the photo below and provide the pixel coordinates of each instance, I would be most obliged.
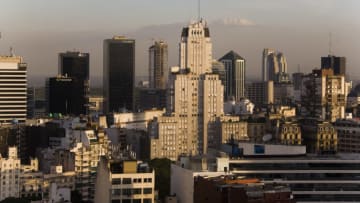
(162, 176)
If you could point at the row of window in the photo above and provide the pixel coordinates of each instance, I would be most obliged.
(117, 181)
(133, 201)
(131, 191)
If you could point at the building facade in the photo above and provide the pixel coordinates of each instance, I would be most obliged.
(63, 96)
(197, 95)
(13, 89)
(235, 75)
(124, 181)
(118, 74)
(76, 65)
(274, 66)
(260, 93)
(323, 95)
(158, 65)
(337, 64)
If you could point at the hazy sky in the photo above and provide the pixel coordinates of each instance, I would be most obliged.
(40, 29)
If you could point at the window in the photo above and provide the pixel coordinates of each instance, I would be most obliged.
(116, 181)
(126, 192)
(136, 191)
(116, 192)
(147, 180)
(136, 200)
(137, 180)
(147, 190)
(126, 201)
(127, 181)
(147, 201)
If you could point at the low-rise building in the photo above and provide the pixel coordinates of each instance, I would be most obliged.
(290, 133)
(124, 181)
(348, 132)
(319, 136)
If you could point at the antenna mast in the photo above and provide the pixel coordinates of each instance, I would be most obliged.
(330, 44)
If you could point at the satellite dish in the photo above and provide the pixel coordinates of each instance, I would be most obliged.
(267, 137)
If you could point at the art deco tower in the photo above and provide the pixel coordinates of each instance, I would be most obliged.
(197, 96)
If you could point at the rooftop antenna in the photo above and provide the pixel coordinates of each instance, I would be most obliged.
(298, 68)
(12, 51)
(330, 44)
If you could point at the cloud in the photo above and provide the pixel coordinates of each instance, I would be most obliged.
(235, 21)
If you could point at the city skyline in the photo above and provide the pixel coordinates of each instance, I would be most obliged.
(251, 26)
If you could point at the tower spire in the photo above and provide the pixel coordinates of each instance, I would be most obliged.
(330, 43)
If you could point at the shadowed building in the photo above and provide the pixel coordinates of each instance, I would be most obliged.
(118, 74)
(337, 64)
(235, 75)
(158, 64)
(63, 96)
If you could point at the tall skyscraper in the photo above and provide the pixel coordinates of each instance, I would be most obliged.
(158, 65)
(235, 75)
(337, 64)
(197, 96)
(76, 65)
(274, 66)
(119, 74)
(65, 95)
(13, 89)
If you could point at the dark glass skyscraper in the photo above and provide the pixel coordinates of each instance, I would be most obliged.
(235, 75)
(76, 65)
(63, 96)
(119, 74)
(338, 64)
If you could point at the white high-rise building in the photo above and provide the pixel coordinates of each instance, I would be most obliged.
(13, 89)
(274, 66)
(197, 100)
(196, 48)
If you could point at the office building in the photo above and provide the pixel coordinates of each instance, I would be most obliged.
(274, 66)
(150, 98)
(197, 96)
(118, 74)
(64, 96)
(13, 89)
(337, 64)
(75, 64)
(323, 95)
(260, 93)
(158, 65)
(219, 68)
(348, 133)
(124, 181)
(235, 75)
